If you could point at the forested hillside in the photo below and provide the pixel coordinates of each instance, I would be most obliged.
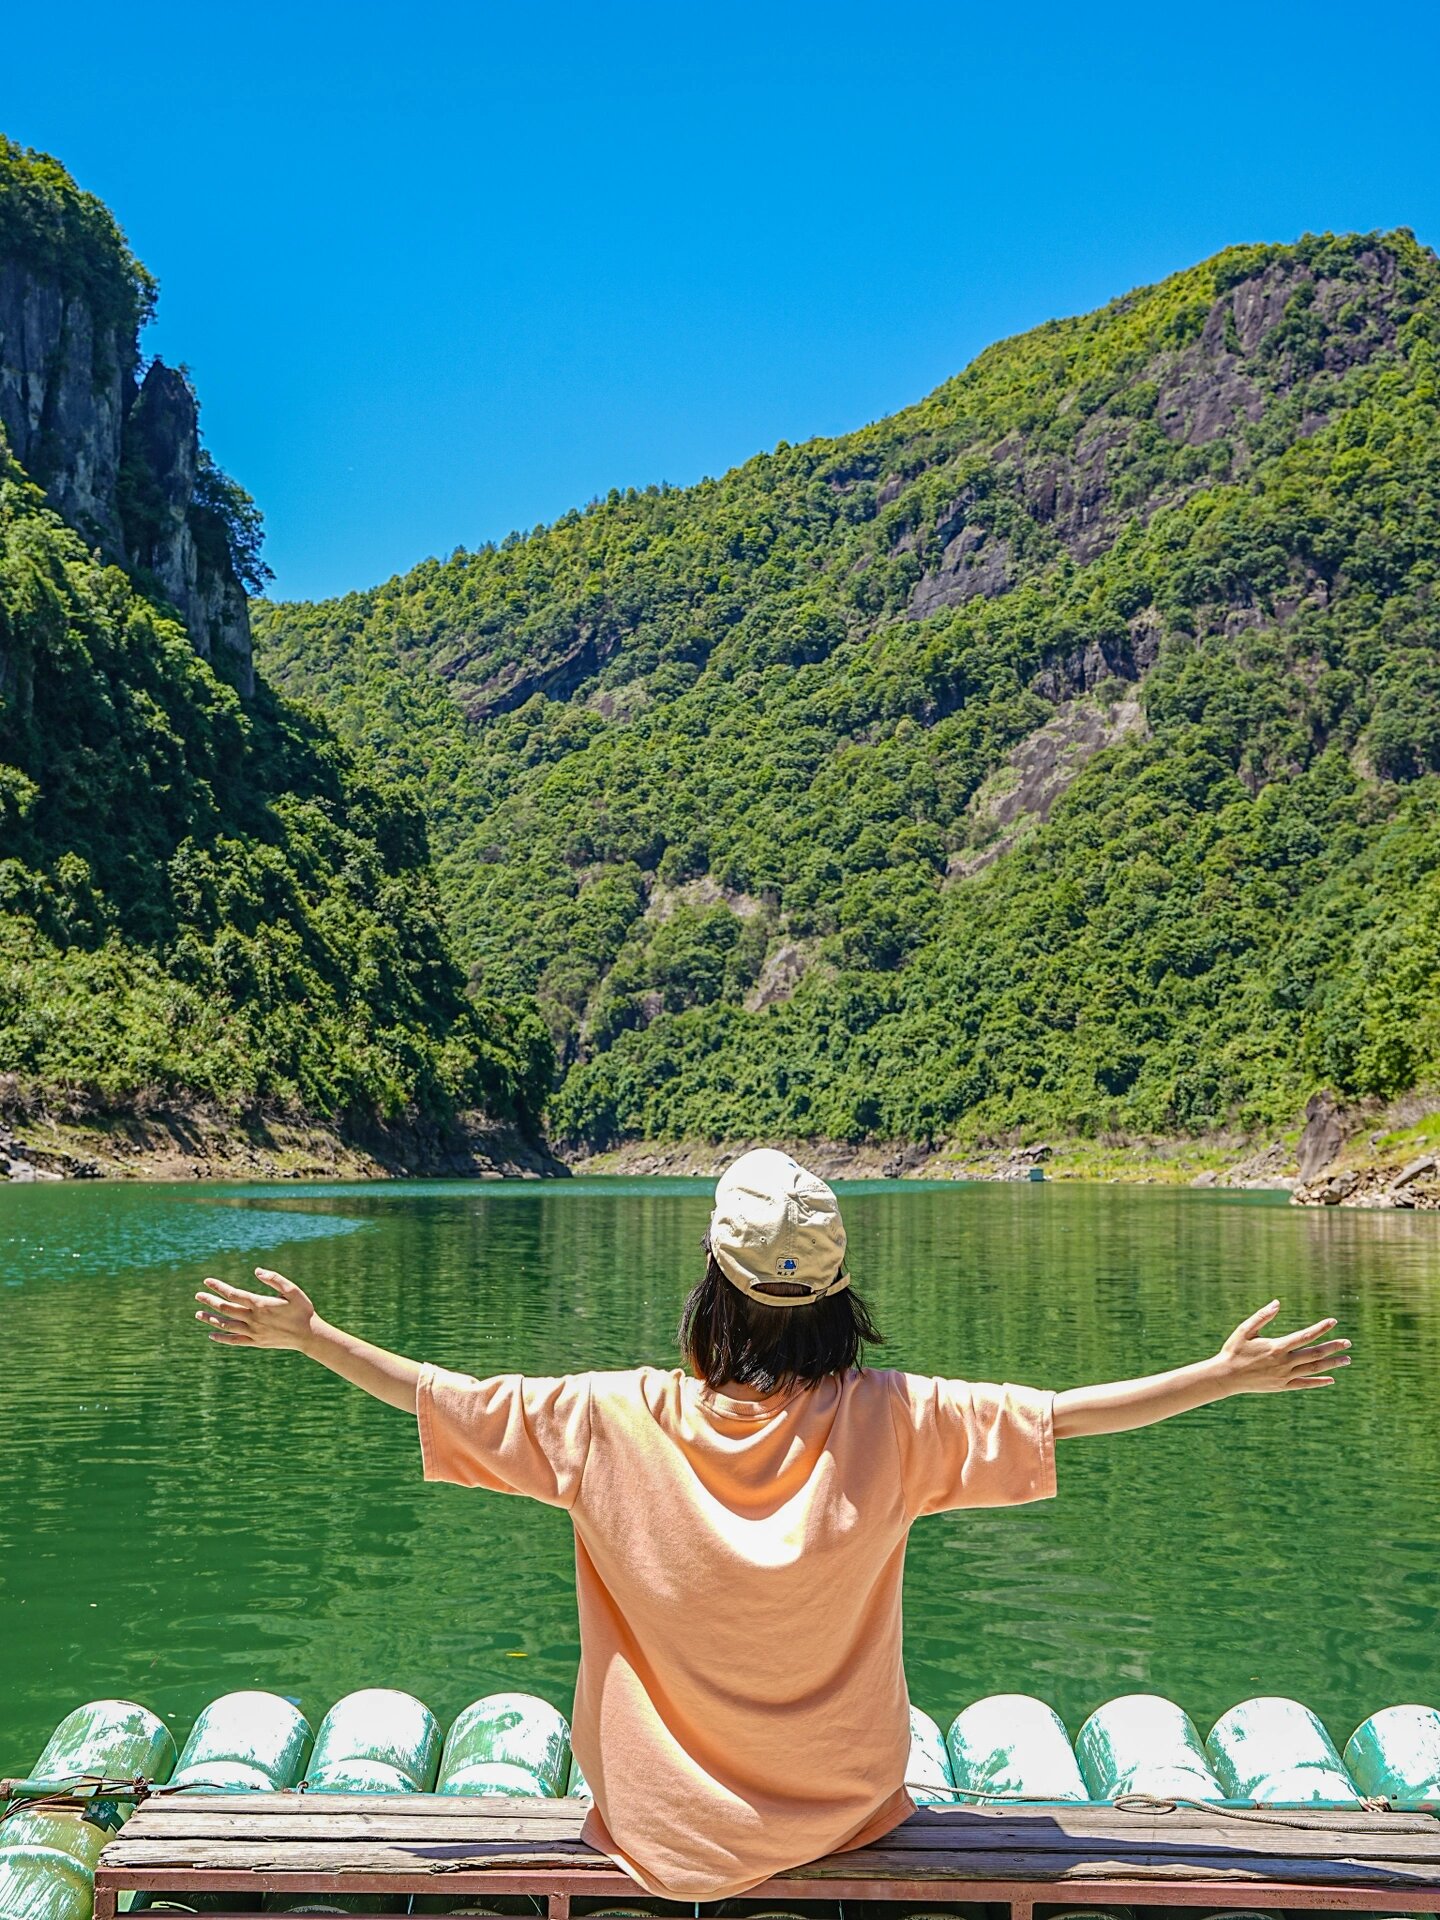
(1060, 752)
(204, 896)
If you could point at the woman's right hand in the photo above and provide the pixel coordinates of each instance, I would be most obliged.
(240, 1319)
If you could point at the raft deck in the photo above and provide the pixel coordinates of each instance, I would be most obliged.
(469, 1845)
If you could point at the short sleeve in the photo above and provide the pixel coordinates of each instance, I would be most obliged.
(511, 1434)
(968, 1443)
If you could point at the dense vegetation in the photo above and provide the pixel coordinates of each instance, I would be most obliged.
(71, 238)
(206, 899)
(712, 772)
(201, 898)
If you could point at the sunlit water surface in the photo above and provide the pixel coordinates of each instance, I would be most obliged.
(178, 1519)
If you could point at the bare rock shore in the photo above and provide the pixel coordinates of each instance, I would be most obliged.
(1340, 1158)
(196, 1144)
(1416, 1185)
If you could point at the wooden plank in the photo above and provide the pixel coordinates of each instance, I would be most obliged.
(1376, 1836)
(287, 1800)
(1139, 1864)
(346, 1830)
(299, 1857)
(353, 1826)
(208, 1814)
(1320, 1843)
(1074, 1816)
(240, 1807)
(205, 1813)
(1019, 1895)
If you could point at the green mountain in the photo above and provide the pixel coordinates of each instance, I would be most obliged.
(1060, 752)
(205, 898)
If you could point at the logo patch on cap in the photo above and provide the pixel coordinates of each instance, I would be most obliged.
(786, 1268)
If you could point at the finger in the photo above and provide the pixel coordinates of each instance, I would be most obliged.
(1311, 1380)
(1310, 1366)
(236, 1293)
(225, 1306)
(1320, 1349)
(231, 1340)
(277, 1281)
(1306, 1333)
(222, 1320)
(1258, 1320)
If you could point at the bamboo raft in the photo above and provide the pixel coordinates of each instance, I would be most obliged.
(479, 1846)
(379, 1809)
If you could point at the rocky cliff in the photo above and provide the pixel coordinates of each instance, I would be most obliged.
(171, 534)
(116, 454)
(221, 948)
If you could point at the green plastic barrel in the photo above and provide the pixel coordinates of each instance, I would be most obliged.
(963, 1910)
(1084, 1913)
(378, 1740)
(502, 1906)
(1275, 1750)
(1010, 1746)
(330, 1902)
(245, 1743)
(48, 1856)
(507, 1743)
(1235, 1913)
(60, 1829)
(578, 1787)
(114, 1737)
(927, 1770)
(42, 1882)
(1396, 1753)
(1144, 1743)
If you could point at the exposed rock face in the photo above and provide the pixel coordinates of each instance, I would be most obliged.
(782, 972)
(974, 562)
(1205, 392)
(704, 891)
(1102, 659)
(1037, 771)
(116, 459)
(1323, 1137)
(64, 392)
(584, 653)
(178, 541)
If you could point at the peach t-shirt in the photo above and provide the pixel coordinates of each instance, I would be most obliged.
(741, 1704)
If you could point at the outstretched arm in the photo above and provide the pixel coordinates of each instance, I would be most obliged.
(1247, 1363)
(289, 1321)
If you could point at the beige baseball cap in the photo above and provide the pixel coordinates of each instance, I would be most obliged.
(775, 1225)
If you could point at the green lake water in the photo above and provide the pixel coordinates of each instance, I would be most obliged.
(178, 1519)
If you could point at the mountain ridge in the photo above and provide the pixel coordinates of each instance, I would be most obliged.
(1212, 495)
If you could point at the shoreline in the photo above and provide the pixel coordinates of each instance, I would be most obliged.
(1381, 1158)
(1395, 1167)
(196, 1143)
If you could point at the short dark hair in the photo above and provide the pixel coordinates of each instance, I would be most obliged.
(725, 1335)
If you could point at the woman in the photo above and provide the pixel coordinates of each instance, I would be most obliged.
(740, 1530)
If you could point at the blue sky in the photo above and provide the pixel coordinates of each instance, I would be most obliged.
(444, 270)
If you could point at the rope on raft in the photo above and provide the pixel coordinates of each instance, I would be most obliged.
(81, 1790)
(1157, 1803)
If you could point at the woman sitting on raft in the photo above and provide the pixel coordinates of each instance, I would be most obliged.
(740, 1529)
